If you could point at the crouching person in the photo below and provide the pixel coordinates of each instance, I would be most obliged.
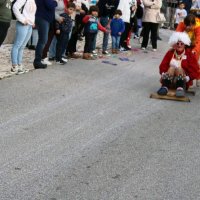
(179, 66)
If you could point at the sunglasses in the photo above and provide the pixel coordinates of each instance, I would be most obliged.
(180, 43)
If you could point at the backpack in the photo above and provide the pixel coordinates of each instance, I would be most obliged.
(21, 10)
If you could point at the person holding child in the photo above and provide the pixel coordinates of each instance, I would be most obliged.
(62, 32)
(44, 16)
(179, 65)
(91, 28)
(117, 28)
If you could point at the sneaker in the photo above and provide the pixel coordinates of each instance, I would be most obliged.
(39, 66)
(75, 55)
(128, 48)
(122, 49)
(154, 50)
(106, 53)
(60, 62)
(64, 59)
(94, 53)
(136, 37)
(51, 58)
(180, 92)
(21, 70)
(14, 69)
(143, 48)
(46, 61)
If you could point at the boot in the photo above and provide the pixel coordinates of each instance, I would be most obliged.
(88, 56)
(85, 56)
(113, 51)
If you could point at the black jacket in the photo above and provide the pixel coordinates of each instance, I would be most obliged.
(107, 8)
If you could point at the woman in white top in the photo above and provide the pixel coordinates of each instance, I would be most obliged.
(24, 11)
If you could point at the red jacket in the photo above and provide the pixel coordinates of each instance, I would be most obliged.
(189, 64)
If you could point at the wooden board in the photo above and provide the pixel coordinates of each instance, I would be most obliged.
(171, 96)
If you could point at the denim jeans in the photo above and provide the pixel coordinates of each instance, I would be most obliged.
(104, 22)
(115, 42)
(43, 29)
(23, 34)
(52, 48)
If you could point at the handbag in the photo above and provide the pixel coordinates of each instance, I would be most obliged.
(160, 17)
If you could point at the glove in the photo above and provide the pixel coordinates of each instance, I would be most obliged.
(174, 63)
(187, 78)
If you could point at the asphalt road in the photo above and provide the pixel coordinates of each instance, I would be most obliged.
(89, 131)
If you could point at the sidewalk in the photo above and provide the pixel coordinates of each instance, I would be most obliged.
(28, 57)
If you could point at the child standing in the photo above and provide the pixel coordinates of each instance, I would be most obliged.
(92, 26)
(180, 14)
(63, 30)
(117, 28)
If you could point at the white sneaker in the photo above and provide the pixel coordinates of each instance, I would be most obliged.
(143, 48)
(46, 61)
(65, 59)
(94, 53)
(154, 50)
(14, 69)
(21, 70)
(106, 53)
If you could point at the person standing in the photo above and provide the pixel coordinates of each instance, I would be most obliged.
(81, 11)
(62, 32)
(126, 6)
(91, 28)
(5, 18)
(50, 46)
(150, 24)
(107, 9)
(117, 28)
(180, 14)
(45, 14)
(24, 24)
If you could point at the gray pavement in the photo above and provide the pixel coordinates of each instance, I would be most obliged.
(89, 131)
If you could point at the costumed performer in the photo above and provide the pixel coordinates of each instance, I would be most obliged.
(179, 65)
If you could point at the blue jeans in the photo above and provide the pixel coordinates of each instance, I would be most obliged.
(52, 48)
(104, 22)
(115, 42)
(23, 34)
(43, 29)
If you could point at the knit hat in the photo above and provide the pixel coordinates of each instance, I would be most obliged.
(179, 36)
